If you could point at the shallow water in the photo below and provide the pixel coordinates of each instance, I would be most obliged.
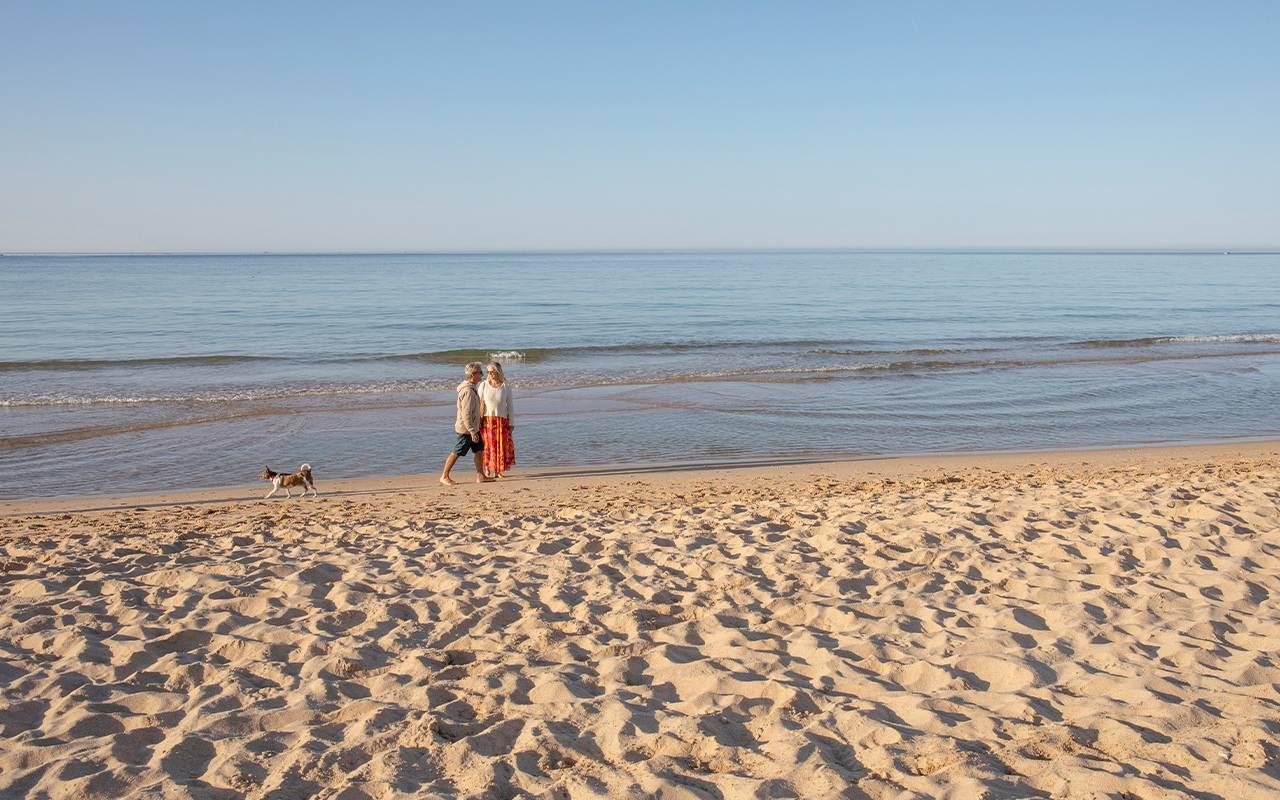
(129, 373)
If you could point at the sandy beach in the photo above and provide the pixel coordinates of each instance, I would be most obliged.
(1070, 625)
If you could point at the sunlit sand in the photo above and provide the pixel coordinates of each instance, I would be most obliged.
(1097, 625)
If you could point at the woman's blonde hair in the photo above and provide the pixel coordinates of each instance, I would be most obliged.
(502, 378)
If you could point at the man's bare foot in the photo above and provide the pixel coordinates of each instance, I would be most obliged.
(448, 481)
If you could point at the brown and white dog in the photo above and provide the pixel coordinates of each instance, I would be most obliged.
(287, 479)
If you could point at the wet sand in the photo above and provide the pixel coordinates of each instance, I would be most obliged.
(1098, 624)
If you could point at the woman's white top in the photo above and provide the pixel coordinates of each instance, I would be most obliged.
(497, 400)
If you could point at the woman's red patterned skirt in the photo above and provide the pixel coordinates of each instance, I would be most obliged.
(499, 447)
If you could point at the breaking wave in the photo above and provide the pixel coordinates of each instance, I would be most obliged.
(791, 373)
(1152, 341)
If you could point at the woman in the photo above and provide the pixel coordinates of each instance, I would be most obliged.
(496, 427)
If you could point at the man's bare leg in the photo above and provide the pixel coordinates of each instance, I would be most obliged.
(448, 465)
(481, 477)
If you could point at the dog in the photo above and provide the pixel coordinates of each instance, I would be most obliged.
(284, 480)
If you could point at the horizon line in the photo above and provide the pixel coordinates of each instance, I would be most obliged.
(1012, 249)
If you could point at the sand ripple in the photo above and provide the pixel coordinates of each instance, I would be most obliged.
(1046, 632)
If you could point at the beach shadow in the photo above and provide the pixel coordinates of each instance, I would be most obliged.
(136, 746)
(728, 729)
(188, 760)
(837, 755)
(1029, 619)
(775, 789)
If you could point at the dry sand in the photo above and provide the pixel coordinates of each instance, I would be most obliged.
(1078, 625)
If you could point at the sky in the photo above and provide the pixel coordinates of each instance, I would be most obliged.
(421, 126)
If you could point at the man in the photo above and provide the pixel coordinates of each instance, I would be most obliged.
(467, 426)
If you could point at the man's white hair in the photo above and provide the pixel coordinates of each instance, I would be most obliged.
(475, 368)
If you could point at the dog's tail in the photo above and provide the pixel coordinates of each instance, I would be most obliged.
(305, 469)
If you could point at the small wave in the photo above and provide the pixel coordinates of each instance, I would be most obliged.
(1234, 338)
(538, 355)
(467, 355)
(237, 395)
(890, 366)
(72, 364)
(278, 392)
(1151, 341)
(533, 355)
(507, 356)
(915, 351)
(635, 377)
(1145, 341)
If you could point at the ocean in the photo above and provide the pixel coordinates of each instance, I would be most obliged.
(157, 372)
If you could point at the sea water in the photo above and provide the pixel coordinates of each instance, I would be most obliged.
(154, 372)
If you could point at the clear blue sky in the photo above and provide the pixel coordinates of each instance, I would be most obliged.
(444, 126)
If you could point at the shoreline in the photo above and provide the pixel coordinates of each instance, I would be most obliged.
(552, 480)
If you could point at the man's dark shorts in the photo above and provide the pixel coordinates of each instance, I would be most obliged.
(465, 445)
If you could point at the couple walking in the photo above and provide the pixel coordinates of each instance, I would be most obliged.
(483, 423)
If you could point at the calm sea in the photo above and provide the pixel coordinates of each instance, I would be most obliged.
(136, 373)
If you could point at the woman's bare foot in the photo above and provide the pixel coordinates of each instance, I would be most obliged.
(484, 479)
(447, 481)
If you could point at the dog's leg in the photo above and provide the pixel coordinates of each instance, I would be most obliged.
(273, 491)
(314, 493)
(287, 493)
